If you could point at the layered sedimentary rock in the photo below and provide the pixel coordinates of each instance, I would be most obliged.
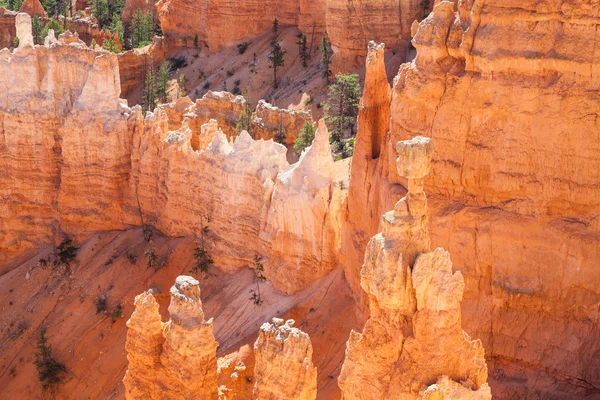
(283, 369)
(174, 360)
(272, 122)
(413, 338)
(66, 127)
(7, 28)
(508, 93)
(301, 235)
(33, 8)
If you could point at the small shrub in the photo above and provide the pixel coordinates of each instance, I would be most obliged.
(65, 253)
(151, 258)
(148, 233)
(49, 370)
(308, 101)
(101, 304)
(178, 63)
(116, 313)
(196, 40)
(259, 277)
(16, 42)
(242, 47)
(132, 259)
(230, 73)
(206, 85)
(342, 185)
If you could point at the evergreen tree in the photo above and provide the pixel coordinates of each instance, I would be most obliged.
(196, 40)
(181, 81)
(142, 28)
(244, 122)
(326, 54)
(116, 25)
(49, 370)
(302, 49)
(36, 30)
(110, 45)
(275, 27)
(342, 108)
(162, 81)
(276, 55)
(306, 137)
(280, 135)
(14, 5)
(52, 24)
(149, 93)
(49, 6)
(100, 11)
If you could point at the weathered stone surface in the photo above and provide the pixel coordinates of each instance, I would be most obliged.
(508, 97)
(270, 121)
(23, 25)
(7, 28)
(414, 335)
(174, 360)
(283, 369)
(304, 215)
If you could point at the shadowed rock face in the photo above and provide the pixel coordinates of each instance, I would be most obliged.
(512, 191)
(174, 360)
(283, 368)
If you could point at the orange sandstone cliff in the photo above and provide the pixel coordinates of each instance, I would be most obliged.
(508, 94)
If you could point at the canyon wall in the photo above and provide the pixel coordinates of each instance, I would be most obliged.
(508, 92)
(75, 160)
(350, 25)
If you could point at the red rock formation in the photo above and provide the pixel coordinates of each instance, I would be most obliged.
(283, 369)
(7, 28)
(413, 337)
(33, 8)
(270, 121)
(510, 187)
(174, 360)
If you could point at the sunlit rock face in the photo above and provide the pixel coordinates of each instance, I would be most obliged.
(414, 335)
(512, 192)
(283, 369)
(174, 360)
(76, 160)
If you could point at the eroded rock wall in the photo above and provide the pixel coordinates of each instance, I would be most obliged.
(508, 94)
(75, 160)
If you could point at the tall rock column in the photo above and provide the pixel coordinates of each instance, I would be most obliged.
(283, 368)
(174, 360)
(413, 345)
(23, 24)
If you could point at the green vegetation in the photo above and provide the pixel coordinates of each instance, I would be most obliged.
(49, 370)
(326, 53)
(306, 137)
(201, 255)
(341, 111)
(196, 40)
(151, 258)
(110, 45)
(276, 56)
(12, 5)
(149, 96)
(259, 277)
(16, 42)
(162, 81)
(181, 82)
(242, 47)
(65, 253)
(280, 135)
(116, 25)
(101, 304)
(52, 24)
(36, 30)
(142, 28)
(244, 122)
(302, 49)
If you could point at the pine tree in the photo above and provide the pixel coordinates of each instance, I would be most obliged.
(116, 25)
(196, 40)
(49, 370)
(302, 49)
(276, 56)
(326, 54)
(36, 30)
(149, 93)
(162, 81)
(244, 122)
(306, 137)
(181, 81)
(342, 107)
(100, 11)
(142, 28)
(275, 28)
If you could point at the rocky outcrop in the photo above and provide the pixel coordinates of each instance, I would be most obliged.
(174, 360)
(301, 235)
(413, 338)
(283, 368)
(7, 28)
(271, 122)
(509, 186)
(33, 8)
(23, 25)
